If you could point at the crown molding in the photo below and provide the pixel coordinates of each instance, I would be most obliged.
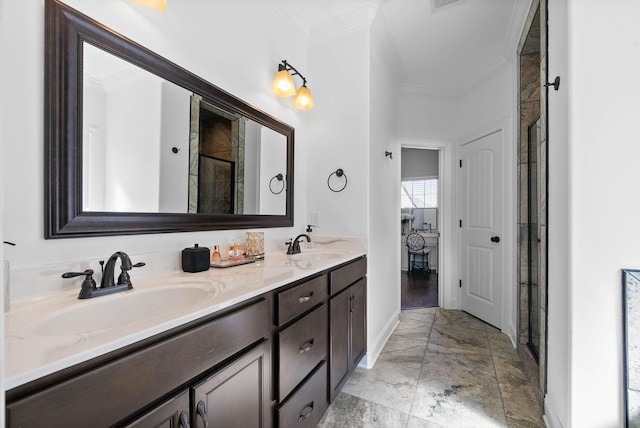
(291, 18)
(411, 90)
(522, 12)
(355, 20)
(483, 78)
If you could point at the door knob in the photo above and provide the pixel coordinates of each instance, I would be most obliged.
(495, 239)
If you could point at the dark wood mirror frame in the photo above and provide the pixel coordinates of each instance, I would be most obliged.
(65, 31)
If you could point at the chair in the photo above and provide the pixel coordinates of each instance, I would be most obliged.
(416, 247)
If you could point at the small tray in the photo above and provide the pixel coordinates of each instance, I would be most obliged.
(231, 263)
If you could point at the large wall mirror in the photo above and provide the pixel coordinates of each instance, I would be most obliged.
(135, 144)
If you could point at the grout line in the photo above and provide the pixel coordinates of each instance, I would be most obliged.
(415, 393)
(495, 372)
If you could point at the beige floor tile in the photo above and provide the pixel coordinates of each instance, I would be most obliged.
(353, 412)
(387, 383)
(439, 369)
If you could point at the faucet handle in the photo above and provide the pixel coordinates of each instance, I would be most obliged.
(88, 273)
(88, 285)
(124, 277)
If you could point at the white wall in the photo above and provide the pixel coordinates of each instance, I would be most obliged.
(339, 131)
(252, 172)
(592, 129)
(273, 161)
(384, 196)
(263, 34)
(174, 132)
(557, 412)
(132, 171)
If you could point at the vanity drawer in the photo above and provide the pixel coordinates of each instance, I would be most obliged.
(300, 298)
(306, 407)
(343, 277)
(300, 348)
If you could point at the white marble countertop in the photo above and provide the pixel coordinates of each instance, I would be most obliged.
(39, 340)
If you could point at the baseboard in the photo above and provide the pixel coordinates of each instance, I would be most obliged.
(375, 347)
(512, 333)
(550, 417)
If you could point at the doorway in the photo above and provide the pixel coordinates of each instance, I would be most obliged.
(420, 229)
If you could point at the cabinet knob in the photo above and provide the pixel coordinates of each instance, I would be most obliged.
(184, 419)
(201, 410)
(303, 299)
(305, 412)
(305, 347)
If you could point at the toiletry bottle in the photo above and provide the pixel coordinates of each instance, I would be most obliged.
(215, 257)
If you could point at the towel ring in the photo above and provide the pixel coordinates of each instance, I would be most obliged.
(279, 178)
(338, 173)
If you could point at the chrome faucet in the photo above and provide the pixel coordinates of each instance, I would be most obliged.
(107, 284)
(294, 244)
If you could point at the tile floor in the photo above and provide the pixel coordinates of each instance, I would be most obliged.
(440, 368)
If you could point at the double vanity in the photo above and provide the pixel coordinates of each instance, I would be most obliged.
(259, 345)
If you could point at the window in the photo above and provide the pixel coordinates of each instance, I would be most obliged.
(420, 193)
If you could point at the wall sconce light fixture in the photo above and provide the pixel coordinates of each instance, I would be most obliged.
(284, 87)
(159, 5)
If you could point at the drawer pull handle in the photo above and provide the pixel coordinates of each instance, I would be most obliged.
(201, 409)
(306, 347)
(303, 299)
(184, 419)
(305, 412)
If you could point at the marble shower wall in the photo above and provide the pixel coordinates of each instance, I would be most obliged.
(532, 166)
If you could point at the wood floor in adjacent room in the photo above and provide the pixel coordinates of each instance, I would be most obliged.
(418, 289)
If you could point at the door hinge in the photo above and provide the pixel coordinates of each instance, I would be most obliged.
(460, 163)
(460, 283)
(460, 222)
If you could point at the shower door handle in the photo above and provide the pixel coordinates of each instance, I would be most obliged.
(495, 239)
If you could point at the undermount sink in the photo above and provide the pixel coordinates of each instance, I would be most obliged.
(317, 256)
(128, 307)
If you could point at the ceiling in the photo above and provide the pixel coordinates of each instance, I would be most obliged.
(443, 52)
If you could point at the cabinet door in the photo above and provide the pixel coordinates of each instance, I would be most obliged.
(339, 341)
(170, 414)
(237, 395)
(358, 345)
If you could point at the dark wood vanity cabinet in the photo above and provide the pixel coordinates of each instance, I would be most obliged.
(273, 360)
(235, 395)
(135, 384)
(348, 328)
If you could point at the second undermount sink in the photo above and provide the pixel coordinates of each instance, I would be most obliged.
(126, 308)
(317, 255)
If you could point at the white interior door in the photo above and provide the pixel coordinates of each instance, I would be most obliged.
(481, 228)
